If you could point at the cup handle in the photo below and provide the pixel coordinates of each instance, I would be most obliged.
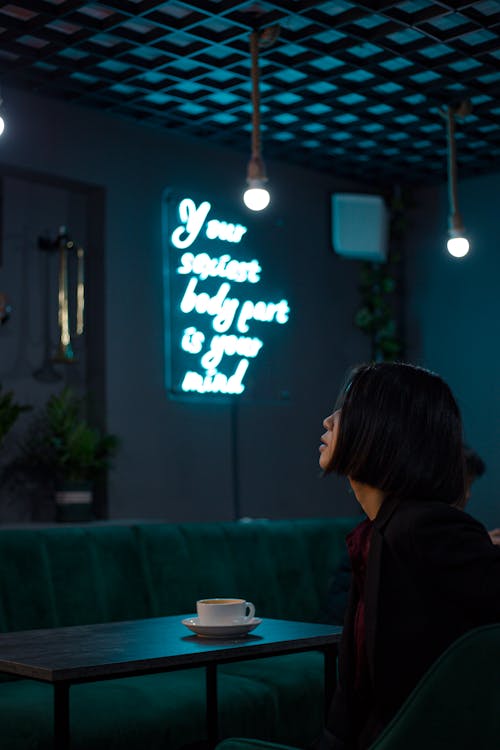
(251, 612)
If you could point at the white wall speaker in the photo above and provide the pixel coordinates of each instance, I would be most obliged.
(360, 226)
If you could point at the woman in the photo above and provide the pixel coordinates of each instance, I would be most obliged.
(424, 572)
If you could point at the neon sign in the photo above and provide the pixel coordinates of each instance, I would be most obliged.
(219, 316)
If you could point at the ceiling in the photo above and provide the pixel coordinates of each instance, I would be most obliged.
(349, 88)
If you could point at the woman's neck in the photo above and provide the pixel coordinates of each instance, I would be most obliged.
(370, 498)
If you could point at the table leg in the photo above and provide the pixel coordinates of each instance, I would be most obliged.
(330, 663)
(61, 716)
(212, 708)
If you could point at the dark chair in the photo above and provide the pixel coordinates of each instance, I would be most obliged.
(455, 706)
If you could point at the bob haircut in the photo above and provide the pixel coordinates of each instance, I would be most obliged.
(400, 431)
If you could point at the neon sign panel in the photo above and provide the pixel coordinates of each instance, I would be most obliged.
(216, 303)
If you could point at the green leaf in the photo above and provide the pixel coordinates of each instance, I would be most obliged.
(363, 318)
(389, 285)
(9, 412)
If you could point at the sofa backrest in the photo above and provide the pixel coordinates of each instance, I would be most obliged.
(71, 575)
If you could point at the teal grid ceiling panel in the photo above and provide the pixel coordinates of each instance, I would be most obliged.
(379, 68)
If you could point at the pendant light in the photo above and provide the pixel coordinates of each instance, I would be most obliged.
(256, 196)
(458, 244)
(2, 113)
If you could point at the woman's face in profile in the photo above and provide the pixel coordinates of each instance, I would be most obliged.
(329, 439)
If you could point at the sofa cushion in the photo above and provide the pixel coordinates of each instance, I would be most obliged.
(326, 550)
(26, 591)
(272, 568)
(297, 685)
(168, 566)
(167, 710)
(104, 716)
(185, 562)
(78, 597)
(118, 569)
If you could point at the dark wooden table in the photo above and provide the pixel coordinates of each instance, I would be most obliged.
(90, 653)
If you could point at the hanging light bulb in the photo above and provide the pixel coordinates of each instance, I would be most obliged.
(458, 244)
(256, 196)
(2, 119)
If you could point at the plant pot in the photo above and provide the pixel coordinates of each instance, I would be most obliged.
(74, 502)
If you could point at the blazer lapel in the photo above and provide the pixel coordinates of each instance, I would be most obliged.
(371, 597)
(373, 579)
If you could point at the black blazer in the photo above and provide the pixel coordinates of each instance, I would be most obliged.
(432, 574)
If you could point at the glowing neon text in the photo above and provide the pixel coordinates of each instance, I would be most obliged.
(217, 382)
(193, 219)
(203, 266)
(266, 312)
(221, 307)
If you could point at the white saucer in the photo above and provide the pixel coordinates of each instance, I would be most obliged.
(221, 631)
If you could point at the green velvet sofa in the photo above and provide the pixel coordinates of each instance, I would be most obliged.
(69, 575)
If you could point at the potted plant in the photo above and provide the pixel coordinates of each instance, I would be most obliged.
(62, 449)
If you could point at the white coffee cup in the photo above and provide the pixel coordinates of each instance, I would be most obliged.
(224, 611)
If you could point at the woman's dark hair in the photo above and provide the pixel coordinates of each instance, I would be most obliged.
(400, 431)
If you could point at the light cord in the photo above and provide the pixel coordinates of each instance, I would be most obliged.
(452, 162)
(254, 50)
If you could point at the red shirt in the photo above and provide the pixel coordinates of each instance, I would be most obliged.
(358, 546)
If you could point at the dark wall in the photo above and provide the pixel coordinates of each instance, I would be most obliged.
(178, 460)
(453, 317)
